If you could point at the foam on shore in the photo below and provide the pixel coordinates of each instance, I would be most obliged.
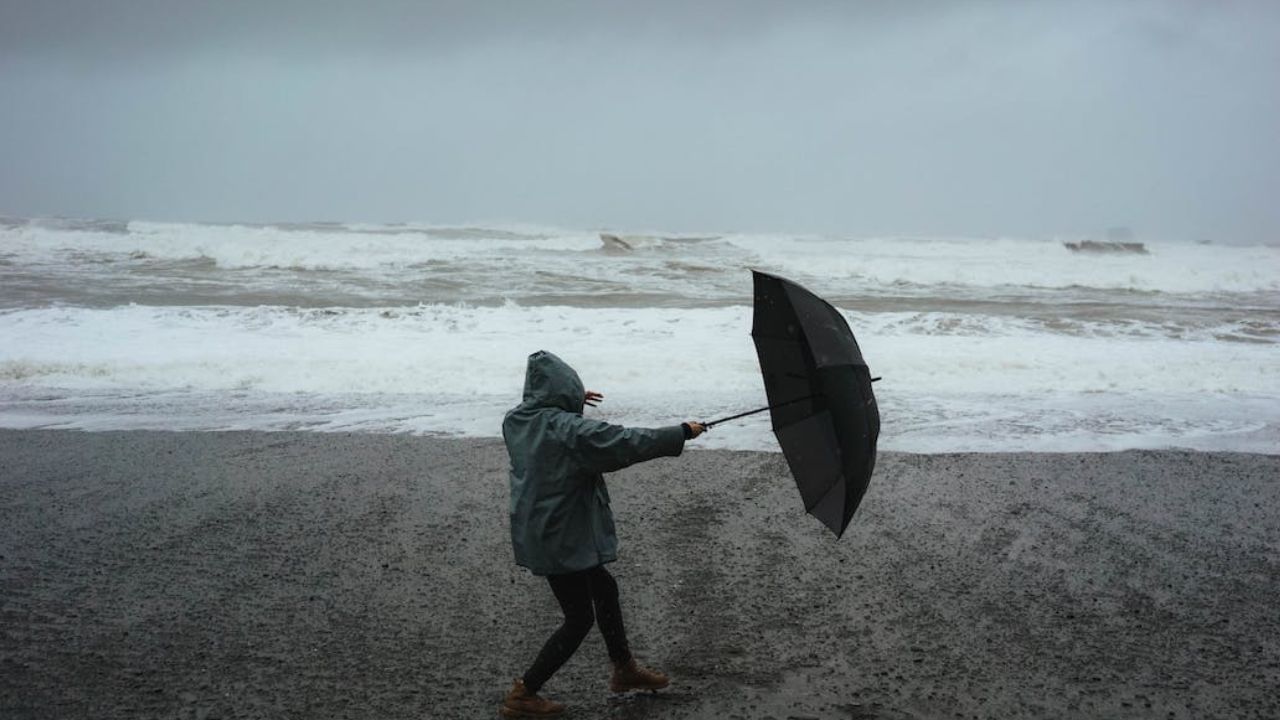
(950, 382)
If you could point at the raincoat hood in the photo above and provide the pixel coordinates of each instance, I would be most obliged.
(550, 382)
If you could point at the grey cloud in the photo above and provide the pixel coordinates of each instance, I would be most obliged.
(90, 30)
(837, 117)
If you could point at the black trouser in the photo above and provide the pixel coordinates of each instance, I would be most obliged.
(578, 593)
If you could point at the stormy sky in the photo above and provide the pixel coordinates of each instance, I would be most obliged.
(1023, 118)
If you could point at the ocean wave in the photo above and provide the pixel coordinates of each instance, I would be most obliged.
(951, 381)
(461, 349)
(506, 256)
(1018, 263)
(308, 247)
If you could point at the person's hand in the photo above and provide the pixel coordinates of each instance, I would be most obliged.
(593, 398)
(696, 428)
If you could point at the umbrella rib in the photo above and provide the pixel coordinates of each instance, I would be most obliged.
(825, 495)
(833, 487)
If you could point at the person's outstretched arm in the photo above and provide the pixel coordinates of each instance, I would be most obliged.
(602, 447)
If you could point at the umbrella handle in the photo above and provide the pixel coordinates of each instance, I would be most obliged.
(713, 423)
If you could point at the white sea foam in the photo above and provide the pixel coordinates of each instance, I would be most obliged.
(852, 264)
(1006, 262)
(447, 368)
(984, 344)
(460, 349)
(308, 247)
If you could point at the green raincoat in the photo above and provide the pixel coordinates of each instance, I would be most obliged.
(560, 516)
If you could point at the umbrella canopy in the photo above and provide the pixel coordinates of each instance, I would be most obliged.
(819, 387)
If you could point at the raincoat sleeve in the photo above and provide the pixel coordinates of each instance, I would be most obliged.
(601, 447)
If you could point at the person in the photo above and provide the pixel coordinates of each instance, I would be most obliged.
(562, 526)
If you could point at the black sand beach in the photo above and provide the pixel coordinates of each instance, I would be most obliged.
(239, 575)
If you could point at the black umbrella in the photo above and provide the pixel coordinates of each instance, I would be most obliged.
(820, 400)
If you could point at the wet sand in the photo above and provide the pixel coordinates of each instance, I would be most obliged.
(226, 575)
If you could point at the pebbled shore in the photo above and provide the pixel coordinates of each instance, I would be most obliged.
(303, 575)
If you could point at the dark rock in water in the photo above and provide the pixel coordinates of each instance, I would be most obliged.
(628, 243)
(689, 238)
(1096, 247)
(613, 242)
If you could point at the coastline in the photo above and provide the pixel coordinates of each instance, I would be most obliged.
(190, 574)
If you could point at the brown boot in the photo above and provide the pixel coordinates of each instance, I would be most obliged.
(630, 676)
(520, 703)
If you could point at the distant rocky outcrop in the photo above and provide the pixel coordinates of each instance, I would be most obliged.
(610, 242)
(614, 243)
(1096, 247)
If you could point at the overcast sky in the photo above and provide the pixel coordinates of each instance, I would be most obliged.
(1024, 118)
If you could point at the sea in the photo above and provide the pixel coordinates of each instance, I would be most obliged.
(992, 344)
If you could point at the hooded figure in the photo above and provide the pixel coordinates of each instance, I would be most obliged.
(560, 516)
(561, 523)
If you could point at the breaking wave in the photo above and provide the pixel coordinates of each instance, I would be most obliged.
(842, 265)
